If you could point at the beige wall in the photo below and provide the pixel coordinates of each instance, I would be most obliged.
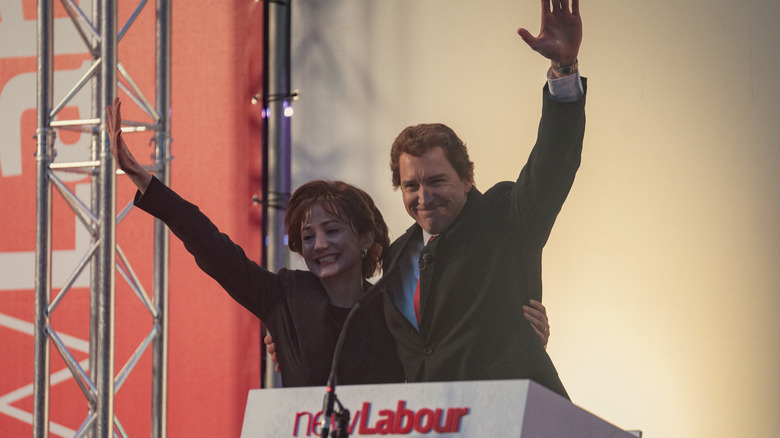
(661, 274)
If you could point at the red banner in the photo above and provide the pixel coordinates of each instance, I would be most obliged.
(214, 343)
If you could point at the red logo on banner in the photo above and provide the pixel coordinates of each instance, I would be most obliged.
(401, 421)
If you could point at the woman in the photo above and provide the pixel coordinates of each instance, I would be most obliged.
(340, 234)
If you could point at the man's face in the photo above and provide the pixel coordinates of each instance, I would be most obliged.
(432, 191)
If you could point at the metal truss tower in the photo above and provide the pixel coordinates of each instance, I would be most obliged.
(100, 382)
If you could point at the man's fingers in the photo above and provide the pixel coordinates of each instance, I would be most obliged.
(536, 311)
(527, 37)
(534, 319)
(546, 7)
(538, 306)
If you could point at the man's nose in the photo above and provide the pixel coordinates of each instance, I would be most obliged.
(424, 196)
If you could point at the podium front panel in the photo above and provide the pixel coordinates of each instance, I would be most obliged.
(496, 408)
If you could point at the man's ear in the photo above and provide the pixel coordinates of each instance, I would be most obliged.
(469, 181)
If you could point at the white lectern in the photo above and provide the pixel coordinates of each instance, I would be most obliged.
(495, 408)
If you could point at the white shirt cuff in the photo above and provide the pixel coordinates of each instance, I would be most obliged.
(565, 89)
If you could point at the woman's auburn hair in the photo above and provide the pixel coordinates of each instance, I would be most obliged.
(346, 202)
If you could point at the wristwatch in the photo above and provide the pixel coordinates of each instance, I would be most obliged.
(566, 69)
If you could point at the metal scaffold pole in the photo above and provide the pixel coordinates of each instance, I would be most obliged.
(43, 219)
(162, 157)
(106, 254)
(277, 99)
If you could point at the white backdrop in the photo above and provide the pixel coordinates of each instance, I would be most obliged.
(660, 275)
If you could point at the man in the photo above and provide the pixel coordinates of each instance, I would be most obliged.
(478, 255)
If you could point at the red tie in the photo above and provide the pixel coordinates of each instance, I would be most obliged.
(417, 294)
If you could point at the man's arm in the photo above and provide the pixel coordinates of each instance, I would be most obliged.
(545, 180)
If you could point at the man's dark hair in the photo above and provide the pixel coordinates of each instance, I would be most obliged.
(419, 139)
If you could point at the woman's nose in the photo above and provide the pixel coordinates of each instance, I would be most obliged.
(320, 242)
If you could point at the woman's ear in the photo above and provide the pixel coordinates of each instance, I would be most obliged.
(367, 240)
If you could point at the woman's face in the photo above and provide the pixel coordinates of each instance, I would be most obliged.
(330, 247)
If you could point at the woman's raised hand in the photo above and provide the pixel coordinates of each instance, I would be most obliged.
(124, 159)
